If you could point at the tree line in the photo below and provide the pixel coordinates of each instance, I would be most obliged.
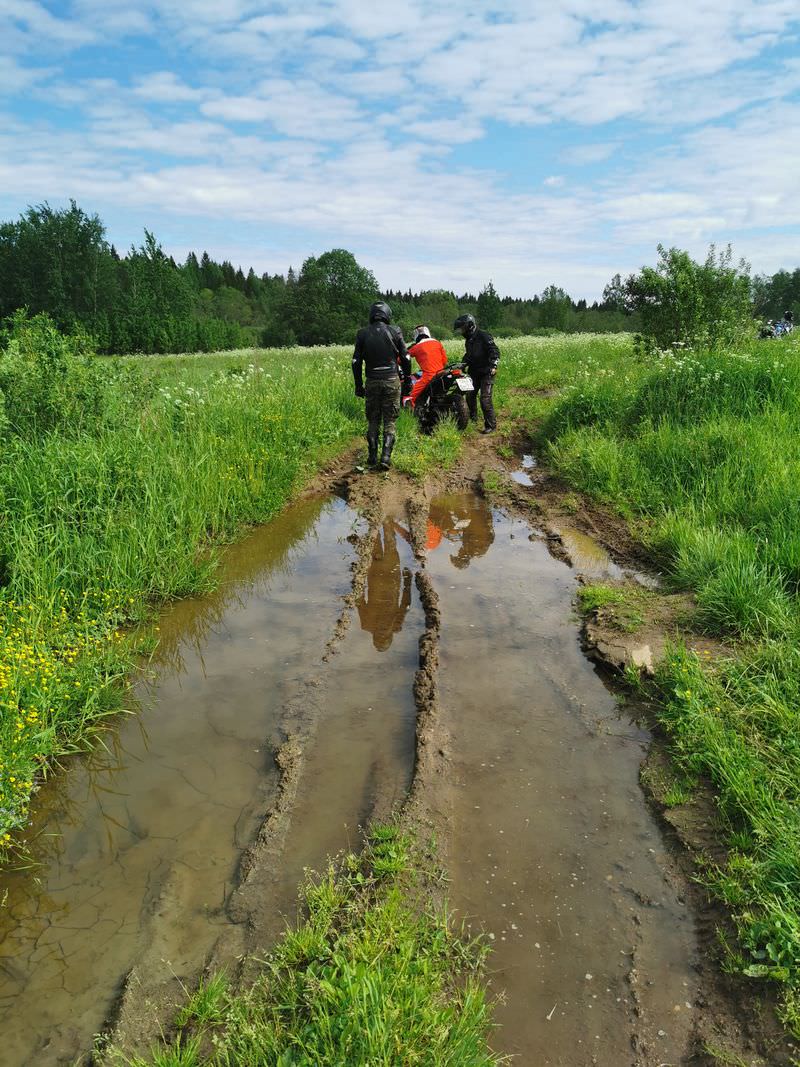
(59, 261)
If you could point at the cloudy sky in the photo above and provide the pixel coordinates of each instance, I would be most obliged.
(444, 144)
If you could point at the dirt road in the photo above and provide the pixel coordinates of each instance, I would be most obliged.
(381, 646)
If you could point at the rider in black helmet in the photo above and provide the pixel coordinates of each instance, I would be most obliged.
(380, 349)
(481, 357)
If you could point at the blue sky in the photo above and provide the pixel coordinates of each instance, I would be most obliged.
(444, 144)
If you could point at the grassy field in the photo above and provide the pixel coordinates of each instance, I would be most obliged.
(110, 508)
(118, 479)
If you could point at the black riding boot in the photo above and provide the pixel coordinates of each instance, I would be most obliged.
(372, 444)
(388, 445)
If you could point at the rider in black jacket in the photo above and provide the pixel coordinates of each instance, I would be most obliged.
(381, 350)
(481, 357)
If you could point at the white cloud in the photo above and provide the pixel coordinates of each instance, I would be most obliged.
(448, 131)
(584, 154)
(15, 78)
(293, 108)
(333, 117)
(166, 87)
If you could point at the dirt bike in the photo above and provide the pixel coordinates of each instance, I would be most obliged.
(445, 396)
(777, 329)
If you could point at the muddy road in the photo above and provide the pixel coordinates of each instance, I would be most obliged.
(381, 647)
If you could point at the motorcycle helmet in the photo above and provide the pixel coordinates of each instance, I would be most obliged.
(788, 316)
(380, 312)
(421, 333)
(465, 325)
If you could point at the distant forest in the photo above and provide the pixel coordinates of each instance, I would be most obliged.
(59, 261)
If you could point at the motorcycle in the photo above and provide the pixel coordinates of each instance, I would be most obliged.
(777, 329)
(445, 396)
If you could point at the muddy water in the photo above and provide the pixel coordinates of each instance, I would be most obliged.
(138, 846)
(554, 851)
(361, 757)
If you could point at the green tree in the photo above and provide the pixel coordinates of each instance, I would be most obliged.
(58, 262)
(330, 299)
(490, 308)
(700, 304)
(555, 308)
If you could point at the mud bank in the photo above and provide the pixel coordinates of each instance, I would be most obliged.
(389, 646)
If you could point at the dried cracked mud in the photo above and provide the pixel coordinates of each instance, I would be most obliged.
(380, 647)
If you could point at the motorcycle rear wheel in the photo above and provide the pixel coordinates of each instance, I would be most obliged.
(458, 405)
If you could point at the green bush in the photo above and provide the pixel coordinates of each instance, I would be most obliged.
(684, 302)
(51, 381)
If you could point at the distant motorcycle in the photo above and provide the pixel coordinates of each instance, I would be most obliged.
(445, 396)
(779, 328)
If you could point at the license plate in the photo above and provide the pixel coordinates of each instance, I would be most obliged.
(464, 383)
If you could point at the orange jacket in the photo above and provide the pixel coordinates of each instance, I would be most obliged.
(430, 355)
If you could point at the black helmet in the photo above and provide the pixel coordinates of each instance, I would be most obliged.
(788, 316)
(465, 325)
(380, 312)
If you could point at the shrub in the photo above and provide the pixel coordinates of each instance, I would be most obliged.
(699, 304)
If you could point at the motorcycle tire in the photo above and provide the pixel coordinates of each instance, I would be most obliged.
(458, 405)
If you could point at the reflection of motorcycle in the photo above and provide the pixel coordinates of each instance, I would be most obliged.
(444, 396)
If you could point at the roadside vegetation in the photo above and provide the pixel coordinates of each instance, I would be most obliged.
(700, 450)
(374, 973)
(116, 483)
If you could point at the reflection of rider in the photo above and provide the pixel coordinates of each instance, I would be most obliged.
(384, 605)
(468, 523)
(430, 355)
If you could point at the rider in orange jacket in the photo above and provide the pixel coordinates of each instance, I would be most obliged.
(430, 355)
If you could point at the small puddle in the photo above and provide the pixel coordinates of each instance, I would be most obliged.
(555, 853)
(137, 846)
(587, 555)
(522, 476)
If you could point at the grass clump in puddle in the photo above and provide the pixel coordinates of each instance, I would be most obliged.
(619, 607)
(374, 974)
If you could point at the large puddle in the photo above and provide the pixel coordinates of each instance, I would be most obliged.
(554, 852)
(153, 827)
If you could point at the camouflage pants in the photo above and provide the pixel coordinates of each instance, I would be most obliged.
(382, 404)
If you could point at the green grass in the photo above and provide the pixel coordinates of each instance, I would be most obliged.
(702, 452)
(374, 974)
(622, 608)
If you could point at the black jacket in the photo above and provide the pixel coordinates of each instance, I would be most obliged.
(381, 349)
(482, 354)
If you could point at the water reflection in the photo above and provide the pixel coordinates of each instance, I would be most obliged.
(462, 519)
(383, 608)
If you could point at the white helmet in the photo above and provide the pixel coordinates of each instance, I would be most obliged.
(421, 333)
